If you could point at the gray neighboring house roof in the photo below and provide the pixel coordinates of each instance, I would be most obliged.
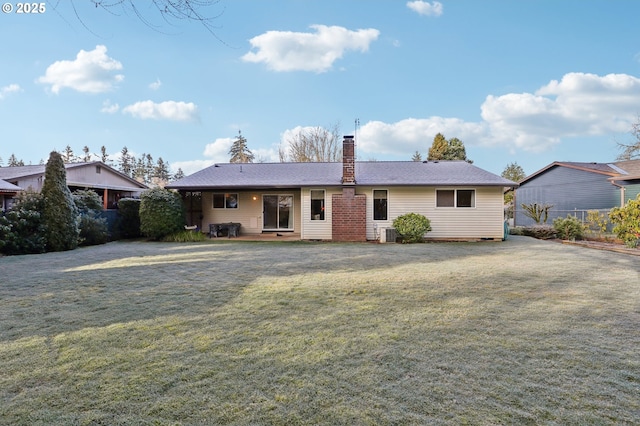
(16, 172)
(619, 170)
(8, 187)
(373, 173)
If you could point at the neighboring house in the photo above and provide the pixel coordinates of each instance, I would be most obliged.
(575, 188)
(7, 192)
(109, 183)
(348, 201)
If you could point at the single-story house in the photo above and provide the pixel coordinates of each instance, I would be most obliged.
(575, 188)
(109, 183)
(348, 201)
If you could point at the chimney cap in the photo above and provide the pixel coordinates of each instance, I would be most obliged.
(348, 136)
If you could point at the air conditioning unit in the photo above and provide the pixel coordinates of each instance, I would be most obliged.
(390, 235)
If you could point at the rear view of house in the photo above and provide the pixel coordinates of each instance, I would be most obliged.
(348, 201)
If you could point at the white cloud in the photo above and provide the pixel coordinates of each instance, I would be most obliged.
(12, 88)
(215, 152)
(291, 51)
(90, 72)
(109, 108)
(411, 134)
(168, 110)
(426, 8)
(155, 85)
(579, 105)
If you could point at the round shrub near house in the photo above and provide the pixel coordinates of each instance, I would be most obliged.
(412, 227)
(161, 213)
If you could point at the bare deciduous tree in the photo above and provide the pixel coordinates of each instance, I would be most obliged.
(169, 11)
(313, 145)
(631, 151)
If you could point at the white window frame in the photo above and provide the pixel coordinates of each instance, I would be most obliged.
(373, 197)
(455, 198)
(227, 197)
(323, 215)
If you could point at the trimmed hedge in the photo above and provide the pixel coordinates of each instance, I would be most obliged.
(161, 213)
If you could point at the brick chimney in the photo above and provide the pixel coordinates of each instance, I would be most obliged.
(349, 213)
(348, 161)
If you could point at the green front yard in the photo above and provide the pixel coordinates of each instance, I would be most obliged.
(228, 332)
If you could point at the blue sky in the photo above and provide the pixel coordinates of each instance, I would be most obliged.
(522, 81)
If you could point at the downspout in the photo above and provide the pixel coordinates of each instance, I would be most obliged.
(622, 192)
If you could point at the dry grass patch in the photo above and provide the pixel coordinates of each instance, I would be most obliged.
(523, 331)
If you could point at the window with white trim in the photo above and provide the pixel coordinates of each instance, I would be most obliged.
(380, 197)
(456, 198)
(317, 204)
(225, 201)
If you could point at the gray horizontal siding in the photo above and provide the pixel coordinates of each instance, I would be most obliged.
(567, 190)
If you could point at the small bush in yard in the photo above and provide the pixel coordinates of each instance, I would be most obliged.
(596, 222)
(626, 222)
(568, 228)
(541, 232)
(161, 213)
(412, 227)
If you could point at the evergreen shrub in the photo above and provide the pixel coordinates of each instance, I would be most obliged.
(626, 221)
(93, 228)
(568, 228)
(541, 232)
(22, 228)
(59, 213)
(161, 213)
(128, 221)
(412, 227)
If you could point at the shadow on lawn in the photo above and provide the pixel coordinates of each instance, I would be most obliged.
(130, 281)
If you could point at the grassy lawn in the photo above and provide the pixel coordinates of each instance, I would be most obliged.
(519, 332)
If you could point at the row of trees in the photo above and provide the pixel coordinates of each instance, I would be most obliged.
(142, 168)
(58, 220)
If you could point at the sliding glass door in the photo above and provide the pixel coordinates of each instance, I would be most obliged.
(277, 212)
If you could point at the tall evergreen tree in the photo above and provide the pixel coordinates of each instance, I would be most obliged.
(67, 155)
(139, 171)
(14, 162)
(240, 152)
(125, 162)
(178, 175)
(104, 157)
(416, 157)
(87, 154)
(443, 149)
(439, 148)
(60, 215)
(161, 172)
